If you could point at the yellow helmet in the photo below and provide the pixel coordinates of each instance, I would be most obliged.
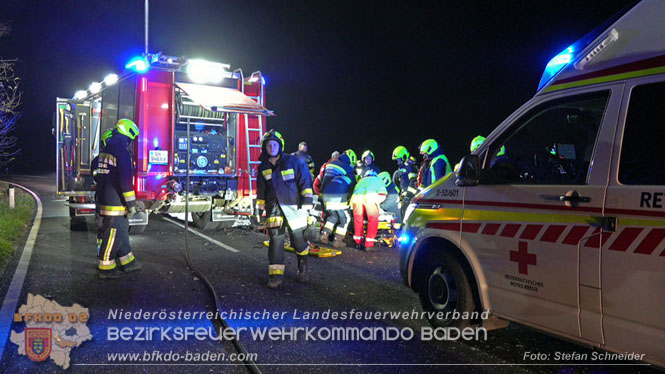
(128, 128)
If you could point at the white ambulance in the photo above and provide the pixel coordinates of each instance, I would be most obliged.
(565, 230)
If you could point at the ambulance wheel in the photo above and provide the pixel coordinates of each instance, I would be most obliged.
(136, 229)
(446, 288)
(203, 220)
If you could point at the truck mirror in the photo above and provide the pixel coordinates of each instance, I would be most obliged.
(468, 173)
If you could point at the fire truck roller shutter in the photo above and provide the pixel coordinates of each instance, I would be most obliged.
(222, 99)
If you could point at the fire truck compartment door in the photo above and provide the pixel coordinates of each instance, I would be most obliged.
(222, 99)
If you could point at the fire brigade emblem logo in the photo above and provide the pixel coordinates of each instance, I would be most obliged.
(38, 343)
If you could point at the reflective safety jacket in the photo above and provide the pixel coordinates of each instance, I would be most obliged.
(369, 190)
(285, 186)
(113, 174)
(406, 177)
(437, 168)
(337, 184)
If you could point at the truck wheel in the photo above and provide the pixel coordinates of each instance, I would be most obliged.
(446, 288)
(203, 220)
(136, 229)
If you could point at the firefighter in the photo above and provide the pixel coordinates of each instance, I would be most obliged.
(391, 203)
(284, 191)
(405, 176)
(302, 153)
(319, 178)
(93, 166)
(435, 163)
(367, 159)
(336, 187)
(368, 194)
(116, 198)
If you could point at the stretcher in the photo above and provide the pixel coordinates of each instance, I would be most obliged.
(314, 250)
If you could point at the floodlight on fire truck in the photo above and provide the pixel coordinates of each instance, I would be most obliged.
(202, 71)
(110, 79)
(80, 94)
(95, 87)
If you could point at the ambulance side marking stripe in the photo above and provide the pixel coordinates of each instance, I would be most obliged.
(531, 231)
(651, 241)
(625, 239)
(594, 241)
(510, 230)
(552, 233)
(491, 228)
(575, 235)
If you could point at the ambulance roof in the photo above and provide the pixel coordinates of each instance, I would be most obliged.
(630, 44)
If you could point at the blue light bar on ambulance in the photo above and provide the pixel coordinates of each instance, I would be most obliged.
(138, 64)
(555, 65)
(202, 71)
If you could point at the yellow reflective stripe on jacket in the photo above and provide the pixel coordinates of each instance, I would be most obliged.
(275, 221)
(306, 192)
(108, 159)
(108, 210)
(129, 196)
(260, 202)
(287, 172)
(267, 174)
(305, 252)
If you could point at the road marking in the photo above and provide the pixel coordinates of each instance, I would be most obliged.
(14, 290)
(206, 237)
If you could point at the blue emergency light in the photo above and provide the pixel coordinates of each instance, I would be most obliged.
(138, 64)
(556, 64)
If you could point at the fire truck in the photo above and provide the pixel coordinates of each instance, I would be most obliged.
(168, 98)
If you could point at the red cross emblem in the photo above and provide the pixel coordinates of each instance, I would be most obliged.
(523, 258)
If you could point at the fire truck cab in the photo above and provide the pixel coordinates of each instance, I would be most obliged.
(564, 232)
(164, 96)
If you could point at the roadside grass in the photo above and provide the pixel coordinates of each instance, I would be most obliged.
(14, 223)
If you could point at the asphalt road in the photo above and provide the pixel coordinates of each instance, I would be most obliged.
(63, 265)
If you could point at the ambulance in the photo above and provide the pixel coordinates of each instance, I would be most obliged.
(563, 231)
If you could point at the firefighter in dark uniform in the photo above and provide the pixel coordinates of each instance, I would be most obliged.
(93, 166)
(284, 191)
(336, 190)
(302, 153)
(405, 176)
(435, 163)
(116, 197)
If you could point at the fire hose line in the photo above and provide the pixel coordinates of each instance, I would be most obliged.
(249, 364)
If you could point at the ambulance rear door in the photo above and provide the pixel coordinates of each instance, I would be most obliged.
(633, 260)
(534, 220)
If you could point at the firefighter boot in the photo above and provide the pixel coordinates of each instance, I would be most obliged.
(339, 241)
(274, 281)
(325, 236)
(302, 269)
(108, 274)
(132, 266)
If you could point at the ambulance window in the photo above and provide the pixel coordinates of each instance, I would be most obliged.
(550, 144)
(642, 151)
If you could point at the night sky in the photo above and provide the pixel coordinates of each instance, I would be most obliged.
(340, 74)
